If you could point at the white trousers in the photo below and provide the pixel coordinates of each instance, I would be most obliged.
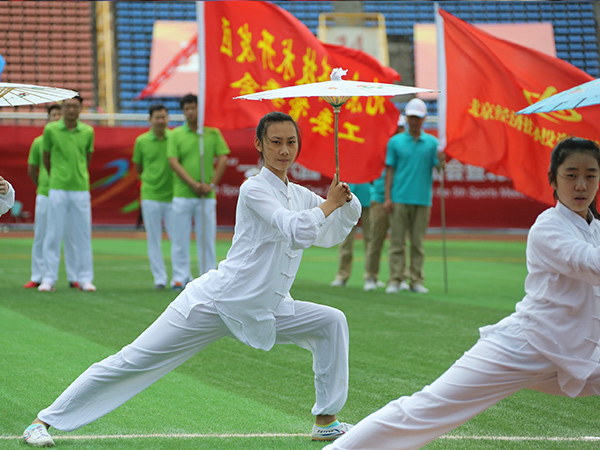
(72, 208)
(156, 213)
(37, 249)
(493, 369)
(172, 339)
(203, 212)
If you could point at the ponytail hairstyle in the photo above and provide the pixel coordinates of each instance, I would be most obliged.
(276, 117)
(567, 148)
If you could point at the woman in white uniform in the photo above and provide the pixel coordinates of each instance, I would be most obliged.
(7, 196)
(550, 344)
(246, 297)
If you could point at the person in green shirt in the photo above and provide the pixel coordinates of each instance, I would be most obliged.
(194, 186)
(39, 176)
(151, 163)
(68, 145)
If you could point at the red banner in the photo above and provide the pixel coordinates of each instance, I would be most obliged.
(115, 187)
(487, 80)
(256, 46)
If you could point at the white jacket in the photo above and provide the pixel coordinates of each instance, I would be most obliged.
(275, 222)
(560, 313)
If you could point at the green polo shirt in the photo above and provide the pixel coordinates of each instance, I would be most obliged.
(36, 158)
(68, 155)
(184, 144)
(157, 176)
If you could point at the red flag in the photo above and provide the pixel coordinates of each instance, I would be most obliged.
(256, 46)
(487, 80)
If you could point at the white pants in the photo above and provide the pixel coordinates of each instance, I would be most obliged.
(493, 369)
(156, 213)
(37, 249)
(203, 211)
(172, 339)
(72, 208)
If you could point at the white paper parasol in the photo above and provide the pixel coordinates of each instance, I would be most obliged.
(12, 94)
(336, 92)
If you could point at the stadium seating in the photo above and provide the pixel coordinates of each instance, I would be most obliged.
(574, 28)
(49, 43)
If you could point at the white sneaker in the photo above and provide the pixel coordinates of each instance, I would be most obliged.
(370, 285)
(331, 432)
(404, 286)
(380, 284)
(338, 282)
(392, 288)
(419, 289)
(37, 435)
(45, 287)
(87, 286)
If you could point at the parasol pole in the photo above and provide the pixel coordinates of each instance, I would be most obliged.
(336, 103)
(336, 113)
(441, 61)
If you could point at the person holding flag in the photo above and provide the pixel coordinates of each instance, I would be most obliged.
(247, 297)
(549, 344)
(194, 197)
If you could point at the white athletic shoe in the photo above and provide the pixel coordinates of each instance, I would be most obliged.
(331, 432)
(380, 284)
(404, 286)
(87, 286)
(37, 435)
(338, 282)
(392, 288)
(419, 289)
(370, 285)
(45, 287)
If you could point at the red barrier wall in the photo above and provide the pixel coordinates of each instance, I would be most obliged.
(473, 197)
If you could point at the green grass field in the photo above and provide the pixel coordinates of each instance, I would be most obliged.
(233, 397)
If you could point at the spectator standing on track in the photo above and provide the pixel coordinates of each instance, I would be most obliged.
(379, 225)
(39, 176)
(152, 164)
(68, 145)
(411, 158)
(194, 196)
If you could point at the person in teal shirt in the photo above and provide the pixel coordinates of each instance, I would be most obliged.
(152, 164)
(194, 191)
(68, 145)
(39, 176)
(410, 160)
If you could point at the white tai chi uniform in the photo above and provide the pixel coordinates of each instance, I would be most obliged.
(550, 344)
(7, 200)
(246, 297)
(38, 267)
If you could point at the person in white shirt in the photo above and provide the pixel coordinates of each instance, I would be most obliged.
(549, 344)
(7, 196)
(246, 297)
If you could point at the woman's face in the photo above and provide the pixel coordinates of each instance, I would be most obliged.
(279, 147)
(576, 182)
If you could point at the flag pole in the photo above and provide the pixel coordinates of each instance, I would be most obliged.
(201, 113)
(441, 60)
